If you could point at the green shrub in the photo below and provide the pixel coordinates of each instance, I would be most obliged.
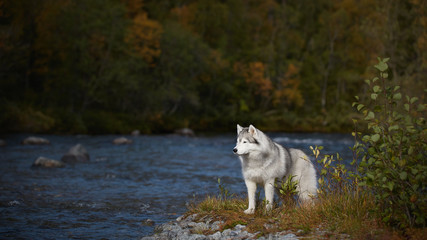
(333, 176)
(286, 189)
(394, 151)
(25, 118)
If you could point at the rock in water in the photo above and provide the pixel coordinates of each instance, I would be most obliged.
(76, 154)
(148, 222)
(47, 163)
(2, 142)
(35, 141)
(122, 140)
(135, 132)
(185, 132)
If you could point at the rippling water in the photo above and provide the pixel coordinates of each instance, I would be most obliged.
(111, 196)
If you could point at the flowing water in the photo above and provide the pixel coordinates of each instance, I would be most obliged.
(122, 186)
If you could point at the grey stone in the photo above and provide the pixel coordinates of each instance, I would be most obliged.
(239, 227)
(171, 227)
(216, 225)
(215, 236)
(122, 140)
(149, 238)
(77, 153)
(47, 163)
(185, 132)
(289, 236)
(135, 132)
(196, 237)
(227, 232)
(148, 222)
(35, 141)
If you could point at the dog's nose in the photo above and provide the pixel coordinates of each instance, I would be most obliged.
(235, 150)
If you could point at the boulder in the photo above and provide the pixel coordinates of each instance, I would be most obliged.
(135, 132)
(185, 132)
(76, 153)
(2, 142)
(47, 163)
(122, 140)
(35, 141)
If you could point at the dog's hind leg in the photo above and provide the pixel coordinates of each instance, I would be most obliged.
(269, 193)
(251, 196)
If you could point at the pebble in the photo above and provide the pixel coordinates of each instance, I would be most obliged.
(148, 222)
(187, 227)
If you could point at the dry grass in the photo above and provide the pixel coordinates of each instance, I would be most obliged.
(333, 215)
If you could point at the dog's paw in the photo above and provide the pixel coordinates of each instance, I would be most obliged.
(249, 211)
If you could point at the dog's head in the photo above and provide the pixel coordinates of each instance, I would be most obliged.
(247, 140)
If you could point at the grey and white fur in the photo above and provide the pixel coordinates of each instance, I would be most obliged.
(263, 161)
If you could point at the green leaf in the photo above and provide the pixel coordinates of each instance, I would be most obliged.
(390, 186)
(376, 88)
(366, 138)
(384, 75)
(397, 96)
(360, 106)
(396, 88)
(414, 99)
(403, 175)
(374, 96)
(406, 107)
(392, 128)
(375, 137)
(370, 115)
(411, 150)
(382, 65)
(414, 171)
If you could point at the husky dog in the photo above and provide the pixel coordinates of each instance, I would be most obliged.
(264, 160)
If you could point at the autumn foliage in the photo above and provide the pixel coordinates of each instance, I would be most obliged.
(112, 65)
(143, 33)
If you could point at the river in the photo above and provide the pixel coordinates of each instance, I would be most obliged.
(122, 186)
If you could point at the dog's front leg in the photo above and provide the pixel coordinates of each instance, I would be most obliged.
(269, 193)
(251, 196)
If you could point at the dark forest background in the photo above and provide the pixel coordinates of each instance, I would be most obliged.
(111, 66)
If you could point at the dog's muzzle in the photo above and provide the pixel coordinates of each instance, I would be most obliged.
(235, 150)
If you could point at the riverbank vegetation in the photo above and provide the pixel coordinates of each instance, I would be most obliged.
(380, 195)
(111, 66)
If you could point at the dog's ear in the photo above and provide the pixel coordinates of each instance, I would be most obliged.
(253, 131)
(239, 129)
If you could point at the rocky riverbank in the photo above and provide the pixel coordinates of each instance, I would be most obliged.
(194, 227)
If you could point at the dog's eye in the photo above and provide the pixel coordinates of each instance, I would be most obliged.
(244, 142)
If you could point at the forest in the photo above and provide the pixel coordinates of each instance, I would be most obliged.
(111, 66)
